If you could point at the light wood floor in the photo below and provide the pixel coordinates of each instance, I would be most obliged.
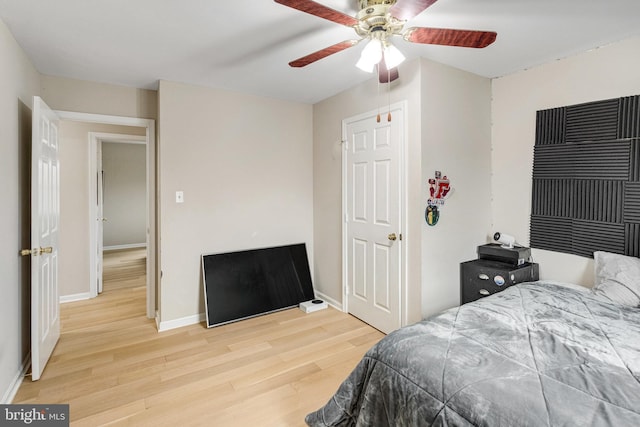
(114, 368)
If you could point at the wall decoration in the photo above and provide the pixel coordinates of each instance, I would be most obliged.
(586, 178)
(439, 190)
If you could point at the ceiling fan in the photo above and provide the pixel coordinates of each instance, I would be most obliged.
(377, 22)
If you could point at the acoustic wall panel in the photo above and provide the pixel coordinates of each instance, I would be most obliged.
(591, 236)
(632, 202)
(629, 126)
(634, 161)
(595, 200)
(603, 160)
(551, 233)
(632, 239)
(552, 198)
(550, 126)
(586, 178)
(594, 121)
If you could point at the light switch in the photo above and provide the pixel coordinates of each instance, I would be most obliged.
(179, 197)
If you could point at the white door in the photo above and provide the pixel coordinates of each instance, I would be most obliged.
(373, 213)
(45, 219)
(100, 219)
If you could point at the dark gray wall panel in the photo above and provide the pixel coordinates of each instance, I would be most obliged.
(552, 197)
(632, 239)
(593, 121)
(590, 236)
(551, 233)
(596, 200)
(550, 126)
(582, 161)
(629, 111)
(635, 161)
(632, 202)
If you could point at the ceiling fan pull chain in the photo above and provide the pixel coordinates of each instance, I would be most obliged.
(389, 93)
(378, 116)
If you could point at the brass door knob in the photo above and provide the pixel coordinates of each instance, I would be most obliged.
(392, 236)
(36, 251)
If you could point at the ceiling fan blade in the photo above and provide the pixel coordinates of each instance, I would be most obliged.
(323, 53)
(385, 75)
(322, 11)
(450, 37)
(407, 9)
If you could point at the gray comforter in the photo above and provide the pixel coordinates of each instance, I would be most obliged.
(536, 354)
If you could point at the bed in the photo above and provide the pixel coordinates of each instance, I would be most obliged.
(537, 354)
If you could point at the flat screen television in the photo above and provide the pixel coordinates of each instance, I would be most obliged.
(243, 284)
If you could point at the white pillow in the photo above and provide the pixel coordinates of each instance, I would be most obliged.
(617, 277)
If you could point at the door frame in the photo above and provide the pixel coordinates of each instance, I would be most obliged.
(150, 126)
(95, 165)
(402, 168)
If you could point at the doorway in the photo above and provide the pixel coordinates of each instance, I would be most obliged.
(120, 206)
(373, 212)
(100, 123)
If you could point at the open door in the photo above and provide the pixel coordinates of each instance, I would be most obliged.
(100, 217)
(45, 219)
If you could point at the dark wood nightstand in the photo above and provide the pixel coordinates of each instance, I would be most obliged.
(482, 277)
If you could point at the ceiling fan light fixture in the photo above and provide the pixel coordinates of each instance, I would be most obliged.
(365, 66)
(392, 56)
(370, 56)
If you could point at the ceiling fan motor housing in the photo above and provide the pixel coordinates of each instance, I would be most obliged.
(375, 18)
(366, 3)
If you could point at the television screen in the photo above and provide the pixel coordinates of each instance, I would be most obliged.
(239, 285)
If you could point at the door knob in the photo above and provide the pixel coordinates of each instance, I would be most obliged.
(36, 251)
(392, 236)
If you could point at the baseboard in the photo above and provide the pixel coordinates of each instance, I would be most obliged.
(198, 318)
(178, 323)
(75, 297)
(121, 247)
(11, 392)
(333, 303)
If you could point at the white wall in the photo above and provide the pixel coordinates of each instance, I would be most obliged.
(245, 165)
(456, 140)
(125, 194)
(448, 130)
(604, 73)
(19, 82)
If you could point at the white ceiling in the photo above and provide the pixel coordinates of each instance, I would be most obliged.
(245, 45)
